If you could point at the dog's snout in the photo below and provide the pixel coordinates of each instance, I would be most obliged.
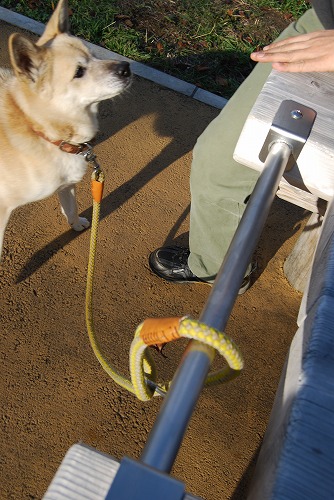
(123, 69)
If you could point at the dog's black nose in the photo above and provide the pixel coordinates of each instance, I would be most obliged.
(123, 69)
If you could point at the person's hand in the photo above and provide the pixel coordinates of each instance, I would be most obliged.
(302, 53)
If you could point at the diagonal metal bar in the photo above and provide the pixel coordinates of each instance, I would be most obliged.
(166, 435)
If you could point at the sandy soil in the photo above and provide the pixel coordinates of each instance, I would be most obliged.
(53, 391)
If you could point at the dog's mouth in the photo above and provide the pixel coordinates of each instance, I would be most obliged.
(127, 83)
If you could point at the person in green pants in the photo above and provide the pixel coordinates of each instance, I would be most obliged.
(220, 187)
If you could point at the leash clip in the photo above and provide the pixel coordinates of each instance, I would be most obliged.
(90, 156)
(155, 387)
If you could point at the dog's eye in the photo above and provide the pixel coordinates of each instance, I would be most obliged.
(80, 71)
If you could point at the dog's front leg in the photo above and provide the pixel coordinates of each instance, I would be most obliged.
(70, 210)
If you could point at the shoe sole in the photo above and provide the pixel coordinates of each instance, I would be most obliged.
(243, 289)
(181, 282)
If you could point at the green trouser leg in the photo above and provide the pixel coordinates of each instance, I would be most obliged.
(220, 186)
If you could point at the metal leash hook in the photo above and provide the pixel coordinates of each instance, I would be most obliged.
(97, 178)
(90, 156)
(155, 387)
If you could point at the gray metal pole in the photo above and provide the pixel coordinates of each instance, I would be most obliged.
(166, 435)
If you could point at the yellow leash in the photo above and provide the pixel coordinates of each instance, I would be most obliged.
(153, 332)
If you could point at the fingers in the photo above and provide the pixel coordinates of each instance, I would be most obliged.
(303, 53)
(297, 67)
(306, 39)
(278, 55)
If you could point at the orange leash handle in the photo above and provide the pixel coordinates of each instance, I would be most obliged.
(156, 331)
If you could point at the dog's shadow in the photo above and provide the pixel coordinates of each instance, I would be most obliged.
(171, 120)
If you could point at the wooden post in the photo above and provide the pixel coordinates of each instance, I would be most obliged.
(298, 265)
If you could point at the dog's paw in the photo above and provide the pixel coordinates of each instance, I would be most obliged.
(81, 224)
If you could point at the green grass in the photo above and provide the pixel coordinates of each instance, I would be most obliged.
(205, 42)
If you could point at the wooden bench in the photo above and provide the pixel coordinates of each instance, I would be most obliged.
(310, 182)
(296, 459)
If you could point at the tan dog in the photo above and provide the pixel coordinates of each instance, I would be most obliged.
(48, 109)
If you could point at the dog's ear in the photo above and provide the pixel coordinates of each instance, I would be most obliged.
(25, 56)
(58, 23)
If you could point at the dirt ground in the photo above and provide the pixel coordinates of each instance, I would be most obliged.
(54, 392)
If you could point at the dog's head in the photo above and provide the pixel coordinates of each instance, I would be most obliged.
(59, 67)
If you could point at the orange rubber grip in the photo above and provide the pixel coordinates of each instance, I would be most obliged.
(160, 330)
(97, 190)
